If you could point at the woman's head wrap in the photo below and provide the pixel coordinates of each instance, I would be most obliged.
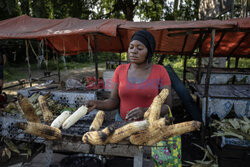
(147, 39)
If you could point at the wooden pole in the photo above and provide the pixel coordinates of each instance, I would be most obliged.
(199, 73)
(58, 68)
(120, 58)
(184, 70)
(237, 62)
(228, 61)
(210, 62)
(232, 9)
(96, 60)
(28, 61)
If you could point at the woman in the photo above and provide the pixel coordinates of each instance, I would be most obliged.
(136, 84)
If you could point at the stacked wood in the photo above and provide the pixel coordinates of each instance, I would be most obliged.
(148, 132)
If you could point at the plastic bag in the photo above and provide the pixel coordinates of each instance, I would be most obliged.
(73, 84)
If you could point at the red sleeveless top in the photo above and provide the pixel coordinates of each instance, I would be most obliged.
(134, 95)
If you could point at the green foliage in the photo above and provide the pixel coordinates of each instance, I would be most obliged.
(41, 8)
(8, 9)
(12, 74)
(74, 8)
(120, 9)
(188, 10)
(25, 6)
(152, 10)
(243, 63)
(177, 63)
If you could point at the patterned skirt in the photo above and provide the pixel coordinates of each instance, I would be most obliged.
(167, 153)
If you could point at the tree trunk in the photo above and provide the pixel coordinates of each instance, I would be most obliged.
(176, 3)
(25, 6)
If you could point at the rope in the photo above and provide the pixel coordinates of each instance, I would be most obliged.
(64, 53)
(46, 58)
(33, 50)
(90, 50)
(38, 58)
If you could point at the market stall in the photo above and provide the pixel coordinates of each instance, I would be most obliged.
(71, 36)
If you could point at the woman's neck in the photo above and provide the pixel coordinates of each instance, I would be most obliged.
(142, 66)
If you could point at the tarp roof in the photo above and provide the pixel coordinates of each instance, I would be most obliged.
(71, 35)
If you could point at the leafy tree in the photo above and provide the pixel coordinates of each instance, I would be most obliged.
(42, 9)
(83, 9)
(25, 6)
(152, 10)
(9, 8)
(121, 9)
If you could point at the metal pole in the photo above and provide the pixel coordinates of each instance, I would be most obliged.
(96, 60)
(28, 61)
(210, 61)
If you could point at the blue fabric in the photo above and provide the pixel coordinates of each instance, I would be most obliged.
(118, 117)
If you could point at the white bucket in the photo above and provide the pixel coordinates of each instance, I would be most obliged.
(108, 77)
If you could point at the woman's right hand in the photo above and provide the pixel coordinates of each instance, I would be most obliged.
(91, 104)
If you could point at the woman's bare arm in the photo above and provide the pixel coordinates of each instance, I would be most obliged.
(109, 104)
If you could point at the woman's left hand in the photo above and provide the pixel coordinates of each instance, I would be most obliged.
(135, 114)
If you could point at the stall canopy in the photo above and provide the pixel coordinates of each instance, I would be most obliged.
(71, 36)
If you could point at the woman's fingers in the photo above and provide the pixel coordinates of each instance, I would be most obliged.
(131, 112)
(91, 108)
(134, 114)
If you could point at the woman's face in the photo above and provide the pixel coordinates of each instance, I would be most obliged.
(137, 52)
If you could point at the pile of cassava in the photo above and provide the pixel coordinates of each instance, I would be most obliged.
(146, 132)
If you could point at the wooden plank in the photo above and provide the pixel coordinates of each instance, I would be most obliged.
(71, 147)
(210, 62)
(96, 60)
(109, 149)
(226, 91)
(28, 61)
(220, 70)
(118, 150)
(138, 160)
